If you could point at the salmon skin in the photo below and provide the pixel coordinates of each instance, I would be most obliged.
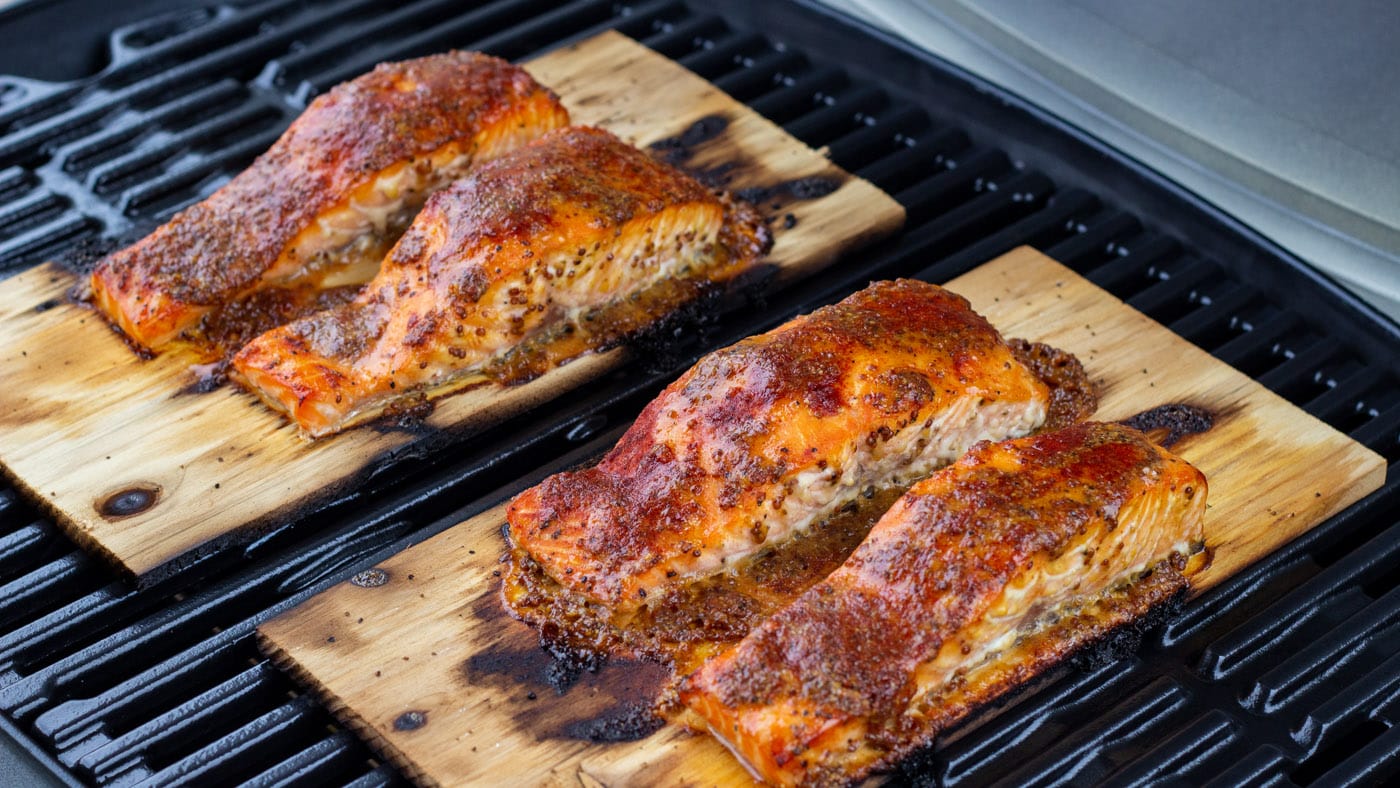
(759, 441)
(978, 577)
(330, 196)
(535, 246)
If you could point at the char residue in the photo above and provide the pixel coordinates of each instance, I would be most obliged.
(1173, 421)
(409, 415)
(568, 665)
(628, 722)
(1125, 641)
(136, 350)
(678, 149)
(1073, 395)
(207, 378)
(130, 501)
(557, 692)
(716, 177)
(809, 188)
(674, 340)
(411, 720)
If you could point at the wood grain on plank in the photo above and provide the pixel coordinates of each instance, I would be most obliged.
(87, 427)
(435, 640)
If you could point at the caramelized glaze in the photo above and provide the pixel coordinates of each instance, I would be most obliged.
(749, 451)
(530, 260)
(322, 205)
(966, 567)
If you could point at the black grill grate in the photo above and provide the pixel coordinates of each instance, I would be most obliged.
(1289, 673)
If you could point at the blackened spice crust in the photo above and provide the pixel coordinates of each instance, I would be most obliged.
(1073, 395)
(1173, 422)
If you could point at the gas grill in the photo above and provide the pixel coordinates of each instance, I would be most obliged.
(1287, 674)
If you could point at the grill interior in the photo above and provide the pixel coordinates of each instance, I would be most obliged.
(1289, 673)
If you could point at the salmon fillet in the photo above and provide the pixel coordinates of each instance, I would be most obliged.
(331, 195)
(759, 441)
(530, 249)
(978, 577)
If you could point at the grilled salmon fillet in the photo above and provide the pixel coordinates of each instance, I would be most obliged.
(536, 246)
(331, 195)
(762, 439)
(978, 577)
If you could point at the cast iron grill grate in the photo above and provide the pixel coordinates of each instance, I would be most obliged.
(1289, 673)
